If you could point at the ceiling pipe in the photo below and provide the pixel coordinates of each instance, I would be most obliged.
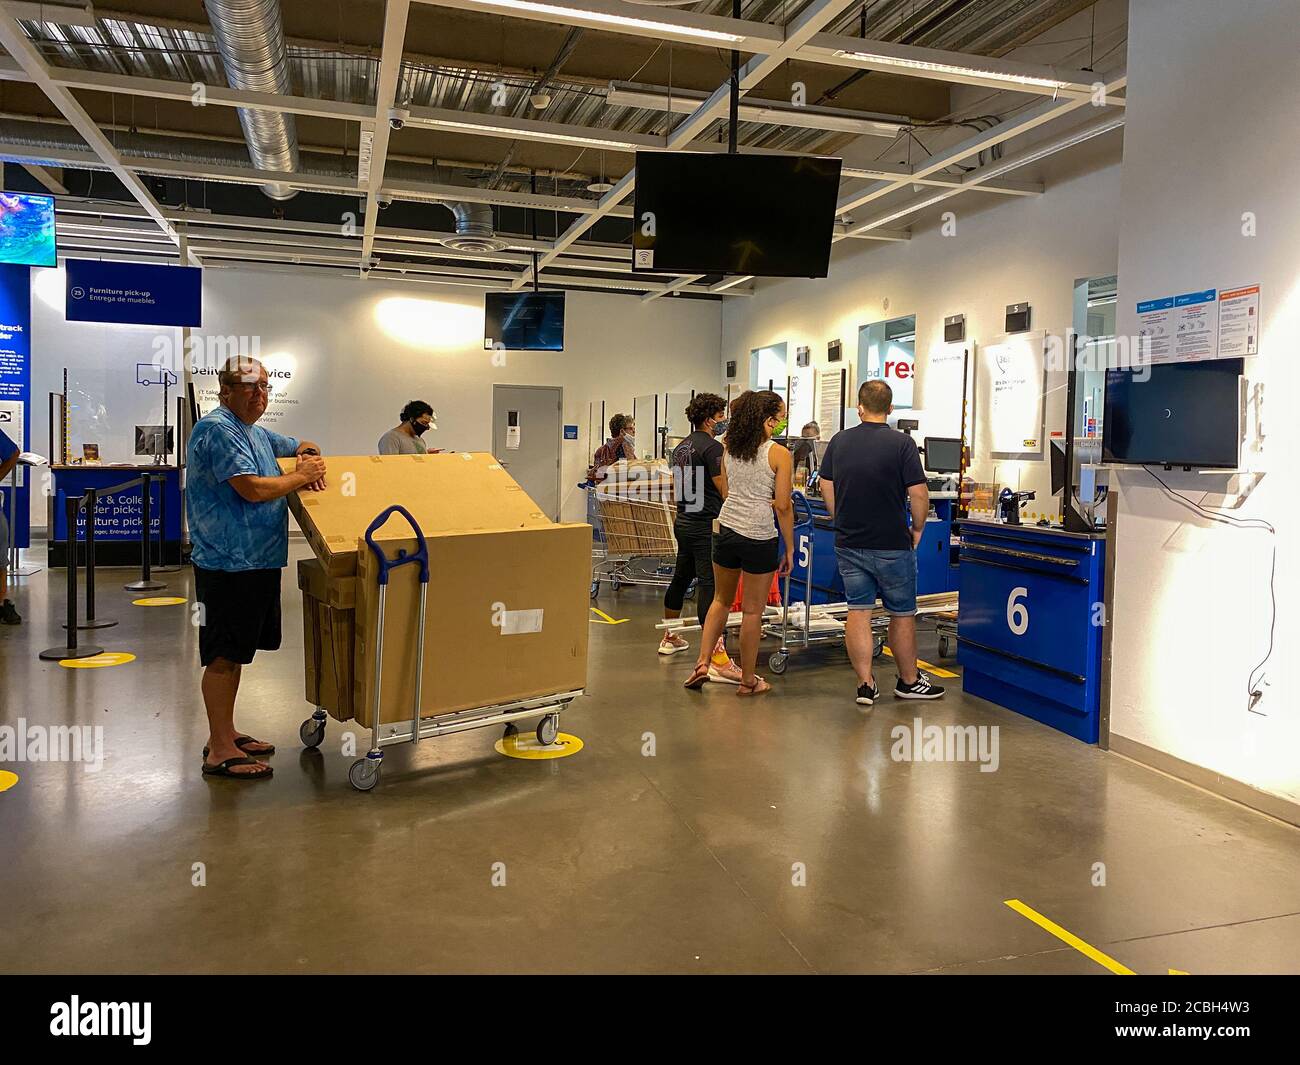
(250, 37)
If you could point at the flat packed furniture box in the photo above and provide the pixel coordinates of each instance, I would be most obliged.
(508, 594)
(329, 637)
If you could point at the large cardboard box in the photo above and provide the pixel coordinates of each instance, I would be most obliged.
(329, 638)
(463, 492)
(509, 591)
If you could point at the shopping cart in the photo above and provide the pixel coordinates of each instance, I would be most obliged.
(632, 540)
(363, 774)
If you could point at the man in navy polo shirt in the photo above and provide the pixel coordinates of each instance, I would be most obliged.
(870, 476)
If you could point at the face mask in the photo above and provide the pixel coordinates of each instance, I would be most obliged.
(719, 427)
(779, 429)
(419, 428)
(630, 439)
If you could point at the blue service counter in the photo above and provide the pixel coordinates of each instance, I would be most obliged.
(814, 541)
(119, 516)
(1029, 629)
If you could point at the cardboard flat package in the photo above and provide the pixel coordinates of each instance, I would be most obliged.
(508, 597)
(329, 637)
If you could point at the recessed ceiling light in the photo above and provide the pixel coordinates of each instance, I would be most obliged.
(601, 187)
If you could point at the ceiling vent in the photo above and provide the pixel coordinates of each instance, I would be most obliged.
(474, 230)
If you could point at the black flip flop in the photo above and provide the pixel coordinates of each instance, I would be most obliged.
(243, 742)
(223, 769)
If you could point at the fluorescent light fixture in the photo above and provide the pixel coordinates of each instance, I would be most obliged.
(524, 133)
(925, 66)
(1032, 155)
(615, 21)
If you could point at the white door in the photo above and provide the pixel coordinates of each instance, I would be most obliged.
(526, 433)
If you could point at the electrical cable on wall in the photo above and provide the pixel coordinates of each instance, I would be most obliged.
(1256, 678)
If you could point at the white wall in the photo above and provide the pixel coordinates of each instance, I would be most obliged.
(1004, 250)
(1213, 89)
(360, 350)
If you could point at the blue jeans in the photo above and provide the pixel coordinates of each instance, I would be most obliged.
(889, 576)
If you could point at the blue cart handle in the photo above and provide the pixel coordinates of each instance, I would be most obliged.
(800, 500)
(385, 563)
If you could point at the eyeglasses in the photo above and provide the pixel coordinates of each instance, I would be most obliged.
(256, 387)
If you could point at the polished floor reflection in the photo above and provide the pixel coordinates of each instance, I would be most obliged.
(694, 833)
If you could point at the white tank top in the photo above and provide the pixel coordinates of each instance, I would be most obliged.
(751, 487)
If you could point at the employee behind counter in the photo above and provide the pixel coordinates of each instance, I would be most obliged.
(416, 419)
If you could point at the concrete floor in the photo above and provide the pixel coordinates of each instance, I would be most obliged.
(614, 861)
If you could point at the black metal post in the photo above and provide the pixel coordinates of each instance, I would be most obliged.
(71, 650)
(91, 500)
(733, 107)
(146, 583)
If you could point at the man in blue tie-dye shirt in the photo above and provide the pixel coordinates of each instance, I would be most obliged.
(239, 525)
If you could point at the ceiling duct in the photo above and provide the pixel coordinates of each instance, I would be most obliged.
(250, 37)
(474, 230)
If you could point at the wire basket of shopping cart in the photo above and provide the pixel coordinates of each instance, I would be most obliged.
(632, 538)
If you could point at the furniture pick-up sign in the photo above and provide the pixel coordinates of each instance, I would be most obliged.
(134, 293)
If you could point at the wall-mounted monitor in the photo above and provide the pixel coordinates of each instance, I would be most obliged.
(1183, 414)
(523, 321)
(705, 213)
(27, 231)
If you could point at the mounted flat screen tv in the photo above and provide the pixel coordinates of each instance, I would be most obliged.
(27, 229)
(1185, 414)
(523, 321)
(765, 215)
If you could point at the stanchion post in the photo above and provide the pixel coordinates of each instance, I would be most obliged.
(145, 583)
(71, 505)
(91, 499)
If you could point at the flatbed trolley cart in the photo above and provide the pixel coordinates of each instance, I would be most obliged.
(633, 541)
(363, 774)
(945, 626)
(812, 626)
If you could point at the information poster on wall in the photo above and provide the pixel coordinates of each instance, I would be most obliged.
(1239, 322)
(11, 424)
(830, 401)
(1194, 326)
(1017, 370)
(941, 391)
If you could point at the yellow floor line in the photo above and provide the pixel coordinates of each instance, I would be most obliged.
(607, 619)
(1069, 938)
(938, 671)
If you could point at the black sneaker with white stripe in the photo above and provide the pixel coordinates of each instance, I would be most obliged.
(868, 694)
(921, 688)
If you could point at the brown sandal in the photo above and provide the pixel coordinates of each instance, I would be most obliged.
(759, 687)
(698, 678)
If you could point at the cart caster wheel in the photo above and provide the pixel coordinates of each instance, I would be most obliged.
(690, 591)
(512, 730)
(595, 589)
(878, 648)
(944, 648)
(311, 732)
(614, 583)
(547, 729)
(363, 774)
(777, 663)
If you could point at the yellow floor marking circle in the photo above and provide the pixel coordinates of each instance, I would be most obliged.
(7, 779)
(99, 661)
(525, 745)
(159, 600)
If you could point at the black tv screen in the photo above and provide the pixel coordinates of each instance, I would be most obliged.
(27, 232)
(523, 321)
(1185, 414)
(765, 215)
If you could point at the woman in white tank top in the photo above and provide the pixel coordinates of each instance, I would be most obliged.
(757, 519)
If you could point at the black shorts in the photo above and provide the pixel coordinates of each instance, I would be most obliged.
(733, 551)
(241, 613)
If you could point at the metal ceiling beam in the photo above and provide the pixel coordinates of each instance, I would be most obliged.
(396, 13)
(22, 50)
(636, 20)
(971, 146)
(752, 73)
(184, 92)
(45, 178)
